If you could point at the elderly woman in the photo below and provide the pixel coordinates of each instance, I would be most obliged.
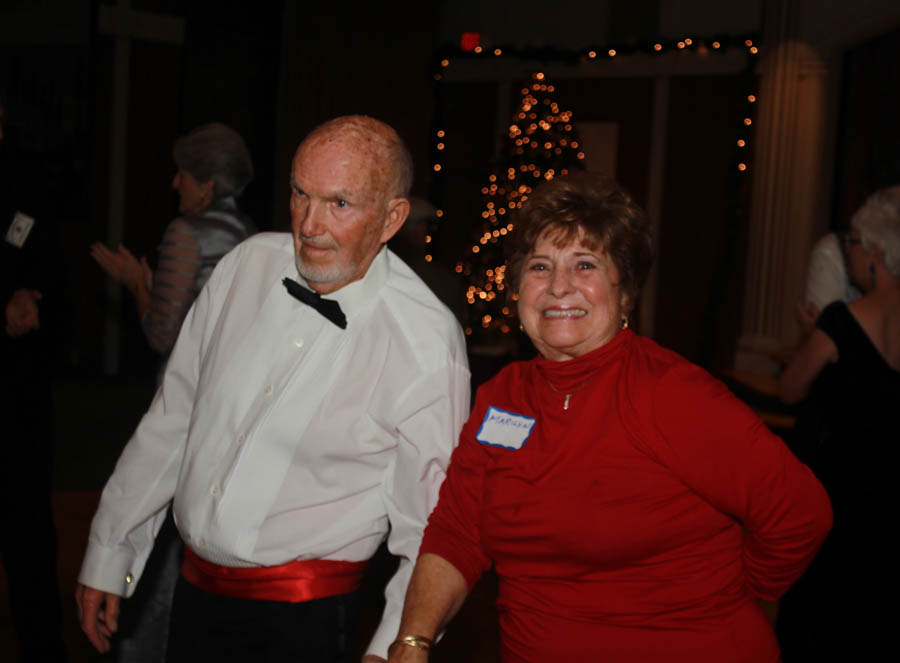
(214, 166)
(633, 508)
(849, 368)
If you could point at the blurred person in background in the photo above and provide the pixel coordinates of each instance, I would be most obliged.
(28, 266)
(214, 167)
(849, 370)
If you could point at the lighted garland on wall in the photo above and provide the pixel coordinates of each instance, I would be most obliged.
(542, 143)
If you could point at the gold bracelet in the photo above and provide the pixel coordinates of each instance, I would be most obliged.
(418, 641)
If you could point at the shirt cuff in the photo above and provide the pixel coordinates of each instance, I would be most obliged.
(109, 570)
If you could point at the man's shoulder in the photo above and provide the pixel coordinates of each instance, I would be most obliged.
(413, 301)
(260, 247)
(257, 258)
(418, 314)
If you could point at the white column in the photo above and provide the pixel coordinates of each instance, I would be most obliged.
(786, 184)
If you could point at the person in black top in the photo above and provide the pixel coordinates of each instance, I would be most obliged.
(27, 533)
(848, 372)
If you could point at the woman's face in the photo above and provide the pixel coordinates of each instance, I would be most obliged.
(193, 196)
(569, 298)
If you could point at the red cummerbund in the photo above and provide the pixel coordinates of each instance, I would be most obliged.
(293, 582)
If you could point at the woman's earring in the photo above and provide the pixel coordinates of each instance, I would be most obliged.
(624, 323)
(521, 327)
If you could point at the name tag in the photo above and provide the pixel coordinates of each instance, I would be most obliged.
(505, 429)
(19, 229)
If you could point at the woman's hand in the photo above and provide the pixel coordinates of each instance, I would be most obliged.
(134, 274)
(807, 314)
(122, 266)
(404, 654)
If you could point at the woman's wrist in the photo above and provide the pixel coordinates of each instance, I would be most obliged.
(410, 647)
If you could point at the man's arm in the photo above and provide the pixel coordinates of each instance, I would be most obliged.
(438, 403)
(142, 485)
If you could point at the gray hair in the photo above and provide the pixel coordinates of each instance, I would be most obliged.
(878, 225)
(215, 152)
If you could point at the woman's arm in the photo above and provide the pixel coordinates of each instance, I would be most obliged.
(811, 358)
(174, 286)
(435, 594)
(720, 449)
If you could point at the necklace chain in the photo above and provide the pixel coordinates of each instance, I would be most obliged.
(569, 395)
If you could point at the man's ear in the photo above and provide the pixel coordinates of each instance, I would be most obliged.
(397, 211)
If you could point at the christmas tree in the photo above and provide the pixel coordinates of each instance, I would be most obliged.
(542, 144)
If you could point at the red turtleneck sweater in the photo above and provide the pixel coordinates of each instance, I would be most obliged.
(640, 524)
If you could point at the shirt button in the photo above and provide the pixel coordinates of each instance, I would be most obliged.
(200, 542)
(268, 390)
(129, 579)
(215, 490)
(241, 438)
(298, 342)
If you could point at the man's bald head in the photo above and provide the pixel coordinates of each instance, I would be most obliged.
(378, 143)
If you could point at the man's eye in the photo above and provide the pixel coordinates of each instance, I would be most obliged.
(341, 203)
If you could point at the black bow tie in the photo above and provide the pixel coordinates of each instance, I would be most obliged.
(327, 307)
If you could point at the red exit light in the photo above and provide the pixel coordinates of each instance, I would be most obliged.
(470, 40)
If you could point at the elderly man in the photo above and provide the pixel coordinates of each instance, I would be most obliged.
(293, 427)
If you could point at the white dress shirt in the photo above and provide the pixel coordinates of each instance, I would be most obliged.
(283, 437)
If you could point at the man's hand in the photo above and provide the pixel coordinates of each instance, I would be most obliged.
(98, 613)
(371, 658)
(22, 315)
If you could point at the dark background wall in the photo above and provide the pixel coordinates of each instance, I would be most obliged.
(868, 145)
(275, 69)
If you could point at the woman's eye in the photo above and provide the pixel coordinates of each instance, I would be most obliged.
(341, 203)
(538, 267)
(585, 265)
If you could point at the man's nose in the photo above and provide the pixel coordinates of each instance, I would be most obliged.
(310, 218)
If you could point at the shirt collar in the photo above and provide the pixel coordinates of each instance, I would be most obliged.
(357, 296)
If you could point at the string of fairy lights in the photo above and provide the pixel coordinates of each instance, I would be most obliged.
(543, 144)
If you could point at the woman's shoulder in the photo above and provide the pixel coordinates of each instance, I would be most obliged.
(651, 360)
(651, 371)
